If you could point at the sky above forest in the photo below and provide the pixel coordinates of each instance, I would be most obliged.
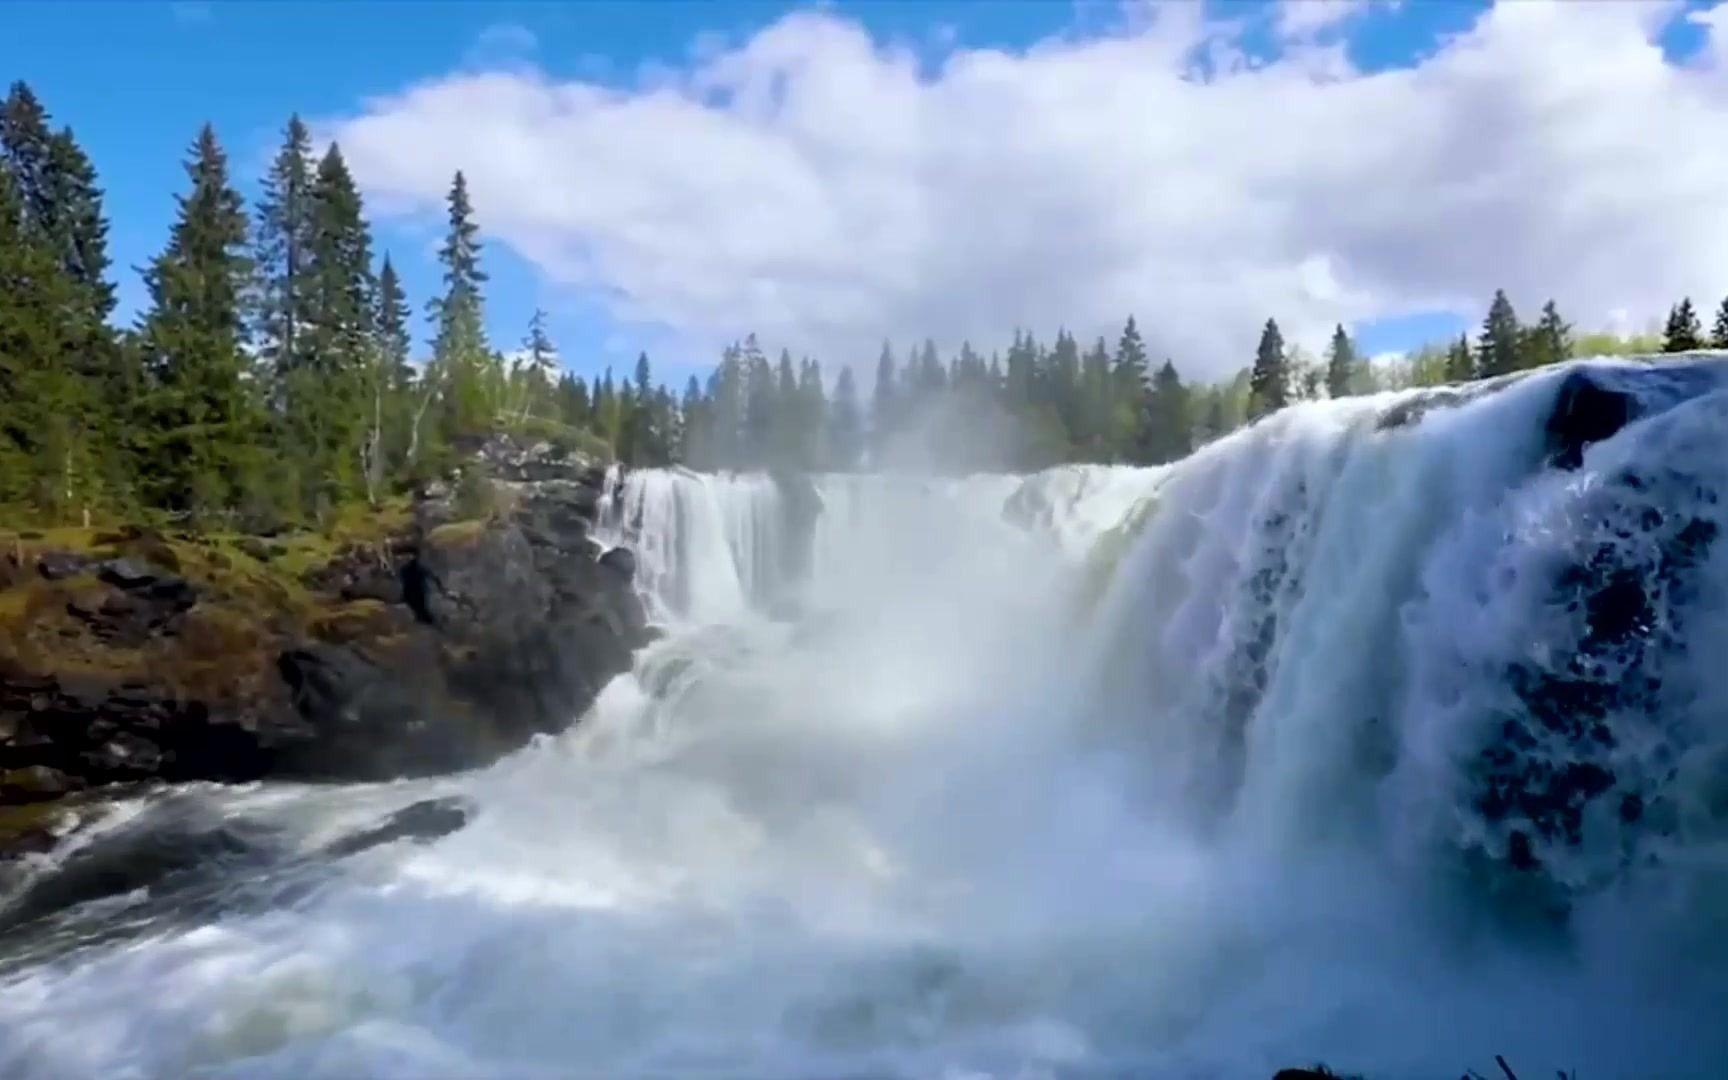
(671, 176)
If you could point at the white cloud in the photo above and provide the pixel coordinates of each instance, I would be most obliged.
(808, 185)
(1307, 18)
(501, 45)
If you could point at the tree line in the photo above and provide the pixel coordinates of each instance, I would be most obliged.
(269, 377)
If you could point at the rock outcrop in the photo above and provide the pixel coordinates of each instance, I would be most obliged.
(421, 643)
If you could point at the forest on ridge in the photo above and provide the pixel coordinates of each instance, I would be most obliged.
(271, 378)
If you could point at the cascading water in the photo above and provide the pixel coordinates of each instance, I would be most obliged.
(1366, 735)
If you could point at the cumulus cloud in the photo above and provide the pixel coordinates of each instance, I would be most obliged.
(811, 185)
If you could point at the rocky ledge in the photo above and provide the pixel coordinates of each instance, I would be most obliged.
(432, 637)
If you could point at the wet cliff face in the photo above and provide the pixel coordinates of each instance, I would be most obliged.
(426, 643)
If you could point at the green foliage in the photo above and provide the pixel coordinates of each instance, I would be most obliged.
(201, 411)
(1683, 333)
(1269, 384)
(1498, 349)
(1341, 364)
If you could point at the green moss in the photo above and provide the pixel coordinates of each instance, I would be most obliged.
(456, 534)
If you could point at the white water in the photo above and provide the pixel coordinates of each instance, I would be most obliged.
(965, 803)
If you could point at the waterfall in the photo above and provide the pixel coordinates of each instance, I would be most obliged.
(1388, 732)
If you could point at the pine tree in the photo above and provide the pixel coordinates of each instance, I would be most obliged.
(460, 353)
(1719, 332)
(1549, 341)
(1683, 333)
(1340, 364)
(1497, 350)
(845, 424)
(1460, 361)
(205, 424)
(1269, 384)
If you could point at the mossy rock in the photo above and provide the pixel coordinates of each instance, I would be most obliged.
(457, 534)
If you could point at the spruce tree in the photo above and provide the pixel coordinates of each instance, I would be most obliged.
(1097, 403)
(404, 405)
(845, 424)
(1340, 364)
(1498, 349)
(537, 369)
(203, 452)
(1063, 386)
(1129, 377)
(760, 398)
(334, 393)
(58, 213)
(77, 225)
(1549, 341)
(25, 149)
(1269, 383)
(885, 401)
(47, 447)
(1683, 333)
(1460, 361)
(1169, 429)
(283, 239)
(643, 425)
(460, 353)
(1719, 332)
(812, 415)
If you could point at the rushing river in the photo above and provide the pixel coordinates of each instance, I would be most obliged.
(1176, 773)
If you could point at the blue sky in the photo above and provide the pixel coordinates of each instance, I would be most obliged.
(144, 76)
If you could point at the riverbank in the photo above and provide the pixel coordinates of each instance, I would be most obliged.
(428, 634)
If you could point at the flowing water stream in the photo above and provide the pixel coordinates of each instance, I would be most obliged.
(1194, 772)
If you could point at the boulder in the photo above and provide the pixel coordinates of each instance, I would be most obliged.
(56, 565)
(1585, 411)
(420, 822)
(620, 560)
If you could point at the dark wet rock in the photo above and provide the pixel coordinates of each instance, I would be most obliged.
(1589, 737)
(620, 560)
(421, 822)
(800, 509)
(175, 845)
(35, 783)
(1585, 412)
(56, 565)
